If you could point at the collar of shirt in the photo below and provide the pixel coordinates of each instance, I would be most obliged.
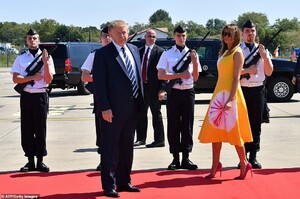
(130, 56)
(245, 48)
(118, 47)
(151, 47)
(174, 49)
(28, 52)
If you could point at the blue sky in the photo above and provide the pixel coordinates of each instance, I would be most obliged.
(95, 12)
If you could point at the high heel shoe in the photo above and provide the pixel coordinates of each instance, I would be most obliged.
(243, 175)
(212, 175)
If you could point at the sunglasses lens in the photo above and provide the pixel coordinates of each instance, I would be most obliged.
(226, 34)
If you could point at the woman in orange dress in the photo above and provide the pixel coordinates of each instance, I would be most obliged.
(226, 119)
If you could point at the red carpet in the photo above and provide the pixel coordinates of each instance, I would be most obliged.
(160, 184)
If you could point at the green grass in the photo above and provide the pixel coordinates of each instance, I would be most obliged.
(7, 60)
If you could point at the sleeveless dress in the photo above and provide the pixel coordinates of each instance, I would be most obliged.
(226, 126)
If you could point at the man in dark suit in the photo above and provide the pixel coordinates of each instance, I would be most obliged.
(119, 94)
(153, 93)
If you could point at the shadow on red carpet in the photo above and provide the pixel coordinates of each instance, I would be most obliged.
(161, 184)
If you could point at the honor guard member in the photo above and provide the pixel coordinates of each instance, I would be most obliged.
(87, 76)
(253, 88)
(180, 101)
(34, 102)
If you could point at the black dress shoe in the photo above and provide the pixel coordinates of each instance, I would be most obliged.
(28, 167)
(111, 193)
(98, 167)
(174, 165)
(42, 167)
(139, 143)
(187, 164)
(155, 144)
(128, 188)
(255, 164)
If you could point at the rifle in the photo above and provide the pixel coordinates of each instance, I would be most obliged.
(36, 66)
(256, 57)
(169, 85)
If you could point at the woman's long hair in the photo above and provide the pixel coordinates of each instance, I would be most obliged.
(235, 34)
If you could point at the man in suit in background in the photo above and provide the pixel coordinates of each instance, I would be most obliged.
(119, 93)
(153, 93)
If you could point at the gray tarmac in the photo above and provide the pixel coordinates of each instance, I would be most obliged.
(71, 135)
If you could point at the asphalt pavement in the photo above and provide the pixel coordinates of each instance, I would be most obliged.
(71, 134)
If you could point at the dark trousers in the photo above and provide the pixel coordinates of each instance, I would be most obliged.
(180, 113)
(254, 97)
(151, 100)
(117, 150)
(97, 126)
(266, 109)
(34, 110)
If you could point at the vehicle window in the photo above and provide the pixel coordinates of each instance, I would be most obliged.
(205, 52)
(79, 54)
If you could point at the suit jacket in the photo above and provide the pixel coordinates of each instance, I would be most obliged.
(112, 86)
(154, 84)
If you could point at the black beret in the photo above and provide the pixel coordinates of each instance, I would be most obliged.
(105, 30)
(179, 29)
(32, 32)
(248, 24)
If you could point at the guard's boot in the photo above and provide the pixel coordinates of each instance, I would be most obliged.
(186, 163)
(40, 166)
(175, 164)
(253, 161)
(30, 166)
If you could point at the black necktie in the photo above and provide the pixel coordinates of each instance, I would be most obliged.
(131, 75)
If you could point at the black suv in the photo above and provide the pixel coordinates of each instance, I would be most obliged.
(68, 59)
(279, 84)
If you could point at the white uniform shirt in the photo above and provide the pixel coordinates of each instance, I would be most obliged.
(170, 58)
(260, 76)
(88, 63)
(23, 61)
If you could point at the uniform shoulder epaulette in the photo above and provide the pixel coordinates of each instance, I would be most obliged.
(22, 52)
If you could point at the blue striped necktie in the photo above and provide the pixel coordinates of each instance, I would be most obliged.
(131, 74)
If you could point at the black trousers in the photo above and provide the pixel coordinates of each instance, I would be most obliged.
(97, 126)
(151, 100)
(117, 150)
(180, 113)
(34, 110)
(255, 98)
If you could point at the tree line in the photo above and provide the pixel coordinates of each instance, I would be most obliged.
(49, 30)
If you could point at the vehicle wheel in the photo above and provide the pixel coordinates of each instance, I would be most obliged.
(280, 89)
(81, 88)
